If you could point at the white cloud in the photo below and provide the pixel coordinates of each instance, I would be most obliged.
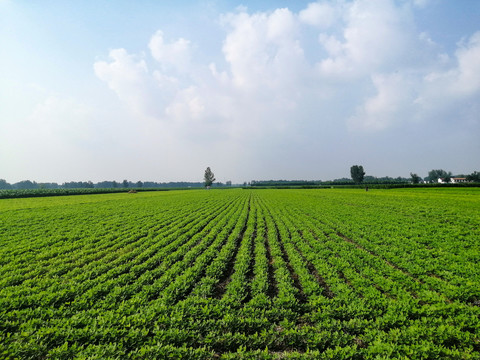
(377, 36)
(145, 93)
(392, 103)
(281, 26)
(187, 105)
(456, 85)
(425, 95)
(132, 70)
(267, 79)
(468, 72)
(262, 50)
(332, 45)
(371, 72)
(129, 77)
(176, 54)
(321, 14)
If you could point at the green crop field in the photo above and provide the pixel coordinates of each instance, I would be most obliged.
(232, 274)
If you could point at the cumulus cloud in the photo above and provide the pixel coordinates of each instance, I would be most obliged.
(175, 54)
(468, 72)
(452, 92)
(262, 50)
(128, 76)
(392, 103)
(375, 36)
(367, 43)
(321, 14)
(369, 71)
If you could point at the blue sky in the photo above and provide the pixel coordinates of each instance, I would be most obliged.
(150, 90)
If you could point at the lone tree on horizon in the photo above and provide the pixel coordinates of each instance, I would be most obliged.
(357, 173)
(209, 177)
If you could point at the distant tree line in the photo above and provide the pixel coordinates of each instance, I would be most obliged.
(341, 181)
(446, 176)
(357, 172)
(365, 179)
(30, 185)
(282, 182)
(475, 177)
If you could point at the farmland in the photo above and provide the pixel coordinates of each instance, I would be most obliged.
(320, 274)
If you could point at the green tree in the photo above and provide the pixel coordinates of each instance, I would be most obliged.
(475, 176)
(447, 178)
(415, 178)
(209, 177)
(357, 173)
(4, 184)
(434, 175)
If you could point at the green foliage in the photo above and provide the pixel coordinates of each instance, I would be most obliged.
(357, 173)
(415, 178)
(475, 177)
(209, 177)
(434, 175)
(242, 274)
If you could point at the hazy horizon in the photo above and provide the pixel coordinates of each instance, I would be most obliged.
(157, 91)
(119, 181)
